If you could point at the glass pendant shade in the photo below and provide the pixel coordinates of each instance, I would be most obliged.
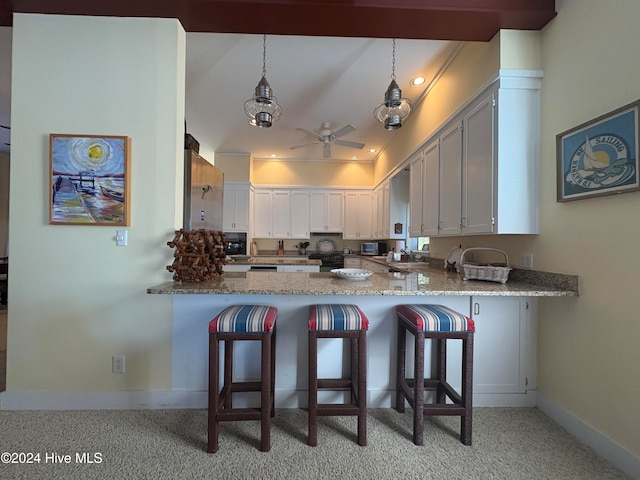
(394, 109)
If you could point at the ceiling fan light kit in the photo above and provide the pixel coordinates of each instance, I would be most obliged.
(263, 108)
(395, 109)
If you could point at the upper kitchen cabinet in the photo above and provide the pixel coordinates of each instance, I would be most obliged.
(358, 222)
(271, 213)
(299, 214)
(487, 164)
(235, 207)
(326, 209)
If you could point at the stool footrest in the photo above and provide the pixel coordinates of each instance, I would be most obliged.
(336, 409)
(335, 383)
(236, 414)
(443, 409)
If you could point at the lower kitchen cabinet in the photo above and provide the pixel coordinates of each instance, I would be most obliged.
(351, 262)
(236, 268)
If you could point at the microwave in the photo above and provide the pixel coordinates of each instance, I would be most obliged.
(369, 248)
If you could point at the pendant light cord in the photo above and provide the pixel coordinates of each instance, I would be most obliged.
(264, 56)
(393, 61)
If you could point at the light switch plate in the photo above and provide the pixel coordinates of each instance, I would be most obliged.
(121, 238)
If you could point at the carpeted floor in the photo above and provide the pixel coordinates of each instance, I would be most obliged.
(508, 443)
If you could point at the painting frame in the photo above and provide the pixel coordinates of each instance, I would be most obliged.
(599, 157)
(89, 180)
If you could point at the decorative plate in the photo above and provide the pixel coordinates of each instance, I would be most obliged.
(326, 246)
(352, 273)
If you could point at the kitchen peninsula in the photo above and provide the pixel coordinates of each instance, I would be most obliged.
(505, 316)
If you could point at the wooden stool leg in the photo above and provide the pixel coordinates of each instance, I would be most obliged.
(265, 394)
(213, 427)
(401, 367)
(228, 372)
(362, 387)
(313, 389)
(418, 390)
(353, 366)
(273, 371)
(467, 389)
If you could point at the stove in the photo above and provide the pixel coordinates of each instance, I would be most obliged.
(329, 260)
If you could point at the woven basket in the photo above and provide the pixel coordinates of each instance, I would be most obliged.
(491, 272)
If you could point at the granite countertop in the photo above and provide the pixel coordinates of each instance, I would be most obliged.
(426, 282)
(272, 260)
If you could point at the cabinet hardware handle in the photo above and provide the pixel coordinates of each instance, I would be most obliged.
(476, 308)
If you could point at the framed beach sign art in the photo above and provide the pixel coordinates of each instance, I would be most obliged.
(599, 157)
(89, 180)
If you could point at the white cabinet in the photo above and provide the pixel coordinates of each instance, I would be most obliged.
(488, 164)
(424, 191)
(262, 210)
(235, 207)
(299, 214)
(477, 167)
(450, 184)
(505, 340)
(326, 211)
(280, 213)
(358, 215)
(351, 262)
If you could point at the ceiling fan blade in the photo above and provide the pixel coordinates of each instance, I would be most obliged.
(326, 151)
(346, 143)
(343, 131)
(303, 145)
(319, 137)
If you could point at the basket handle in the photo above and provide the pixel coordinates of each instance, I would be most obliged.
(506, 258)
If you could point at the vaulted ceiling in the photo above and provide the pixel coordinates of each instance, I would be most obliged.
(328, 60)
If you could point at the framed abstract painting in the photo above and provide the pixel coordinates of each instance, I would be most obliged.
(89, 180)
(599, 157)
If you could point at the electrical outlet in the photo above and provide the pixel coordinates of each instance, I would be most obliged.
(117, 364)
(526, 260)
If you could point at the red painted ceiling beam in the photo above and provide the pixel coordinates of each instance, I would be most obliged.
(471, 20)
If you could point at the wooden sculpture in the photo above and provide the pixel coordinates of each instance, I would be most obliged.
(199, 255)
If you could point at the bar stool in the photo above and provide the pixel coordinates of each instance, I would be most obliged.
(441, 324)
(241, 322)
(346, 322)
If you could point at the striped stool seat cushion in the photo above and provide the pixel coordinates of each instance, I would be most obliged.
(244, 318)
(435, 318)
(337, 317)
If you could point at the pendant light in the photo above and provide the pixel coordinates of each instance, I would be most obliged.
(263, 108)
(394, 109)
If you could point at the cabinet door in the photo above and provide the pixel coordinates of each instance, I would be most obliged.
(299, 214)
(431, 190)
(262, 208)
(235, 208)
(415, 196)
(451, 180)
(501, 343)
(317, 211)
(335, 211)
(386, 216)
(281, 216)
(478, 168)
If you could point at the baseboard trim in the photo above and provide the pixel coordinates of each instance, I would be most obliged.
(603, 445)
(159, 399)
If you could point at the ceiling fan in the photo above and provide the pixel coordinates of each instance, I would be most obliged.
(327, 137)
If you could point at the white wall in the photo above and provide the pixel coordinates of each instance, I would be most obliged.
(77, 299)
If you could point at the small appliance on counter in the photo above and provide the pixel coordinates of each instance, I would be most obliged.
(369, 248)
(236, 243)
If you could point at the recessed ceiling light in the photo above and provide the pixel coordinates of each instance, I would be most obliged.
(273, 155)
(372, 150)
(416, 82)
(354, 158)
